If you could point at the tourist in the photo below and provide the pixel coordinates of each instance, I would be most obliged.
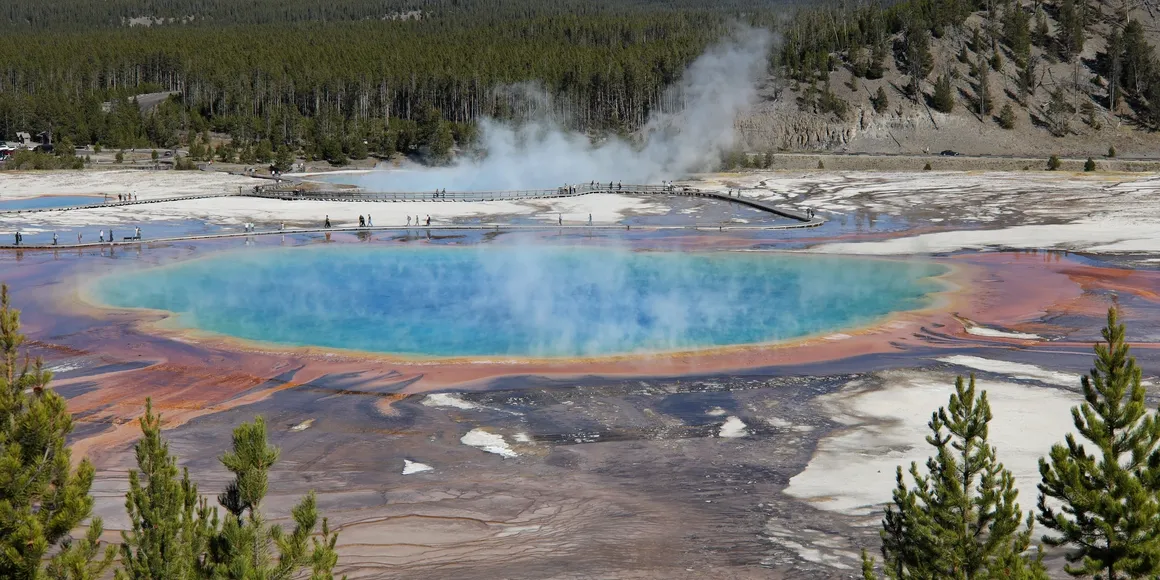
(17, 235)
(102, 237)
(282, 226)
(362, 222)
(589, 219)
(54, 238)
(326, 224)
(408, 221)
(560, 219)
(428, 221)
(78, 238)
(369, 224)
(111, 238)
(137, 234)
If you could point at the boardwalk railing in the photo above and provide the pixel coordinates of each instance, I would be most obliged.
(292, 192)
(289, 192)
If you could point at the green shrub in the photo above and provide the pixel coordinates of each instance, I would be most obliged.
(1089, 165)
(880, 101)
(1053, 163)
(1007, 117)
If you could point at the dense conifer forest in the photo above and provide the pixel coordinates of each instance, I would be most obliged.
(331, 75)
(349, 78)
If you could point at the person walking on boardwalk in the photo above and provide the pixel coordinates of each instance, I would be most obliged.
(362, 222)
(326, 224)
(54, 238)
(111, 238)
(408, 221)
(102, 236)
(589, 219)
(369, 224)
(428, 221)
(559, 219)
(78, 238)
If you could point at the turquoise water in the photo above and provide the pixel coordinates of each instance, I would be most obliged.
(48, 201)
(519, 301)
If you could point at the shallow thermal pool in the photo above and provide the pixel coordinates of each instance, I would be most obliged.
(47, 201)
(546, 301)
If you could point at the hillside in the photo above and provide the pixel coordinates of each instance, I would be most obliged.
(797, 114)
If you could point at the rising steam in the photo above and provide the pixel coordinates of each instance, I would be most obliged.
(542, 154)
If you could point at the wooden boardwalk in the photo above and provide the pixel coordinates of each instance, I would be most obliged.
(282, 192)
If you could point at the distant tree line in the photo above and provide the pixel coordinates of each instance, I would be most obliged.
(346, 79)
(325, 87)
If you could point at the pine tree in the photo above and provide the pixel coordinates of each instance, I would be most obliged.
(960, 519)
(242, 546)
(1042, 32)
(880, 101)
(1007, 116)
(877, 66)
(1026, 80)
(1115, 52)
(264, 152)
(1071, 28)
(283, 159)
(42, 498)
(919, 59)
(1058, 112)
(983, 102)
(1110, 513)
(1017, 32)
(944, 96)
(441, 142)
(170, 523)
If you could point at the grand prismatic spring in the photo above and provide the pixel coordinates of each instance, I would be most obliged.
(518, 301)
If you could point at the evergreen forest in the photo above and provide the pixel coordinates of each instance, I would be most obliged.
(352, 78)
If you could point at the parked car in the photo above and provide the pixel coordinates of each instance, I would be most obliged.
(950, 153)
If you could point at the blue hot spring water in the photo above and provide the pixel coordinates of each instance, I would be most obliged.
(520, 301)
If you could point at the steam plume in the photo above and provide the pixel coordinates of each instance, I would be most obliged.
(716, 87)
